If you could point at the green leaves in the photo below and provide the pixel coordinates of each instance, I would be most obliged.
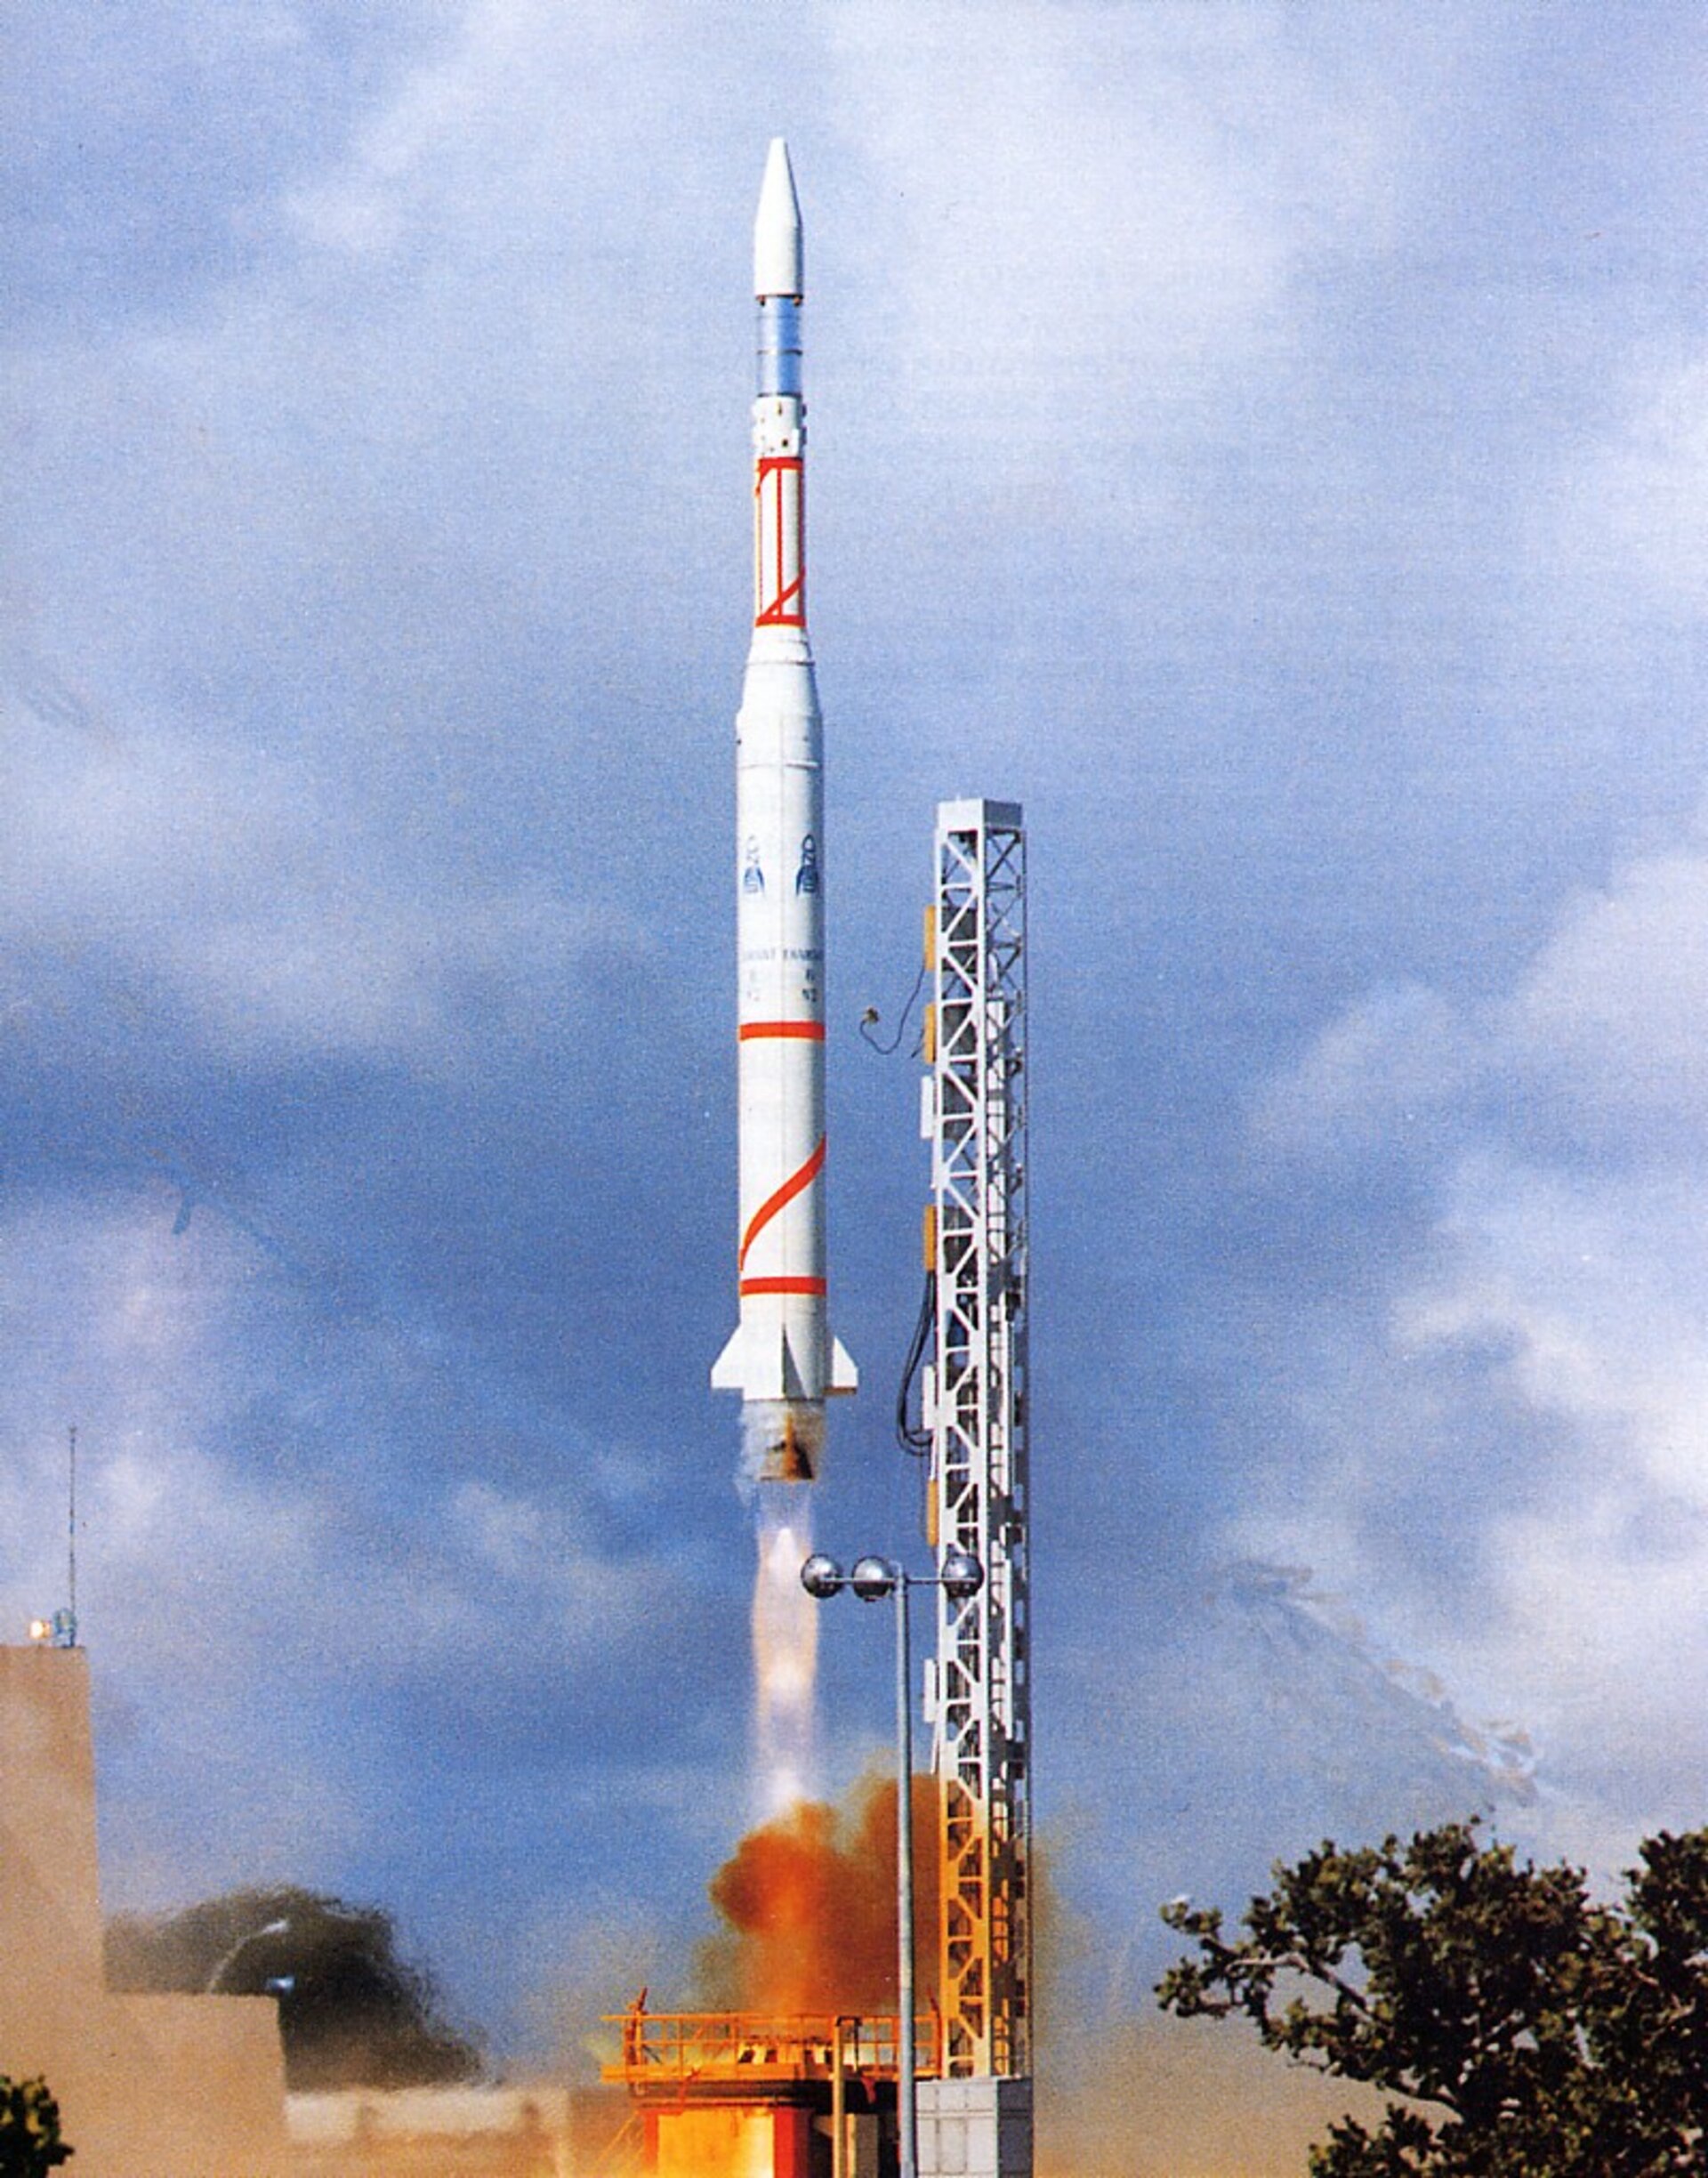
(29, 2129)
(1527, 2031)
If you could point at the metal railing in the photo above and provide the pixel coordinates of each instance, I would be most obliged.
(659, 2047)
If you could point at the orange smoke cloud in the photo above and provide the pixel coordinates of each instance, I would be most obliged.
(809, 1899)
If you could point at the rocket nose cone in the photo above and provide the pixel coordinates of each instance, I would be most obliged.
(777, 230)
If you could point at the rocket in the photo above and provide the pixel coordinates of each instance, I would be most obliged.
(783, 1359)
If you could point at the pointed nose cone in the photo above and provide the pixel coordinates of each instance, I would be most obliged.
(777, 232)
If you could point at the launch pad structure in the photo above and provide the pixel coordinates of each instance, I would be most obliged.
(797, 2096)
(849, 2097)
(810, 2097)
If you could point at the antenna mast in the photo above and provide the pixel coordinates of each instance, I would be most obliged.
(71, 1537)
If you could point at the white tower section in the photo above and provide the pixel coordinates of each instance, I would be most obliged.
(975, 1403)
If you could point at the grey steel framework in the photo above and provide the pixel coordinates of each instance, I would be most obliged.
(976, 1406)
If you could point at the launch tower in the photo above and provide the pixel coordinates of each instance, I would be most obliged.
(974, 1406)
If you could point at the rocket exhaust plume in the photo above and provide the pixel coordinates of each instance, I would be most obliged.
(786, 1651)
(782, 1359)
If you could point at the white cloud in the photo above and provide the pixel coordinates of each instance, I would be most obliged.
(1589, 1289)
(1632, 507)
(1390, 1062)
(1508, 1449)
(255, 1623)
(191, 863)
(1613, 1013)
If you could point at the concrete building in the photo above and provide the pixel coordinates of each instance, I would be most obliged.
(148, 2086)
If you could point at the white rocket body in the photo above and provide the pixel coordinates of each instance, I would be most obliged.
(783, 1359)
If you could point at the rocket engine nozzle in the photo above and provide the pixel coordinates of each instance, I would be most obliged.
(784, 1439)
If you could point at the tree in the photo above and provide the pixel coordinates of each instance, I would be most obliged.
(1527, 2031)
(30, 2130)
(351, 2014)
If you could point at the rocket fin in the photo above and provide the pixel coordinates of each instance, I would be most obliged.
(752, 1365)
(843, 1375)
(729, 1370)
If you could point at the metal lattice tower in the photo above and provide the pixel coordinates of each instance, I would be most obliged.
(975, 1404)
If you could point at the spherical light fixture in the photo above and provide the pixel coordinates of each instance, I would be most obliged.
(822, 1576)
(960, 1575)
(873, 1578)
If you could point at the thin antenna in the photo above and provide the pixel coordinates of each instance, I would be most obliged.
(71, 1536)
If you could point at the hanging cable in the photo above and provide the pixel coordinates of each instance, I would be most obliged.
(914, 1437)
(870, 1017)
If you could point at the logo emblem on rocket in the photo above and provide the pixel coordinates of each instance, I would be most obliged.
(783, 1360)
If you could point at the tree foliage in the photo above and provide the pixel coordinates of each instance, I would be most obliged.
(351, 2013)
(1527, 2030)
(30, 2130)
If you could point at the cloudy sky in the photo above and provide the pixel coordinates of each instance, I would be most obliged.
(1266, 439)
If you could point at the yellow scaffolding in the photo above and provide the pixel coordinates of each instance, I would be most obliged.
(663, 2049)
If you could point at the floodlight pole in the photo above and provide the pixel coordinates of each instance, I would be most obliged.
(907, 2057)
(873, 1578)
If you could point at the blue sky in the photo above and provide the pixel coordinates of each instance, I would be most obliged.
(1266, 440)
